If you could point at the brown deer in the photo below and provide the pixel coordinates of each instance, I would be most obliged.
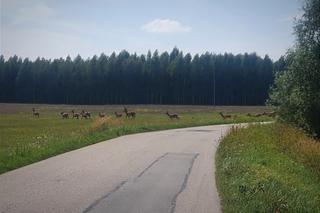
(36, 114)
(85, 114)
(118, 115)
(172, 116)
(64, 115)
(129, 114)
(75, 115)
(102, 115)
(225, 116)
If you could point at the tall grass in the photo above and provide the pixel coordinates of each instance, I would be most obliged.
(296, 143)
(268, 168)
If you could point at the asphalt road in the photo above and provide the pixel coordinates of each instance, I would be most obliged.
(164, 171)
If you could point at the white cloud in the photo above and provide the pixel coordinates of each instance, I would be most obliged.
(36, 15)
(37, 11)
(165, 26)
(31, 14)
(27, 11)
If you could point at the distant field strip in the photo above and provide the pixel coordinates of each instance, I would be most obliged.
(26, 139)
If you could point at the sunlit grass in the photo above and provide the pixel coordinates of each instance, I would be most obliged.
(25, 139)
(299, 146)
(269, 168)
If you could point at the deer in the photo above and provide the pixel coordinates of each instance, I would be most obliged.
(118, 115)
(102, 115)
(36, 114)
(225, 116)
(172, 116)
(129, 114)
(64, 115)
(85, 114)
(75, 115)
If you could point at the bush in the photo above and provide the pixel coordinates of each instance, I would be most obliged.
(296, 91)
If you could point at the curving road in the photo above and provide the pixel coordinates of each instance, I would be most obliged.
(164, 171)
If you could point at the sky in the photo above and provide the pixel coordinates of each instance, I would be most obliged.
(58, 28)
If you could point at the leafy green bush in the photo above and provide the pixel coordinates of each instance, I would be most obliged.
(296, 91)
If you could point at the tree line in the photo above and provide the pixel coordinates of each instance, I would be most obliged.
(124, 78)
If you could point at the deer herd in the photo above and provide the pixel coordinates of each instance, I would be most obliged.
(131, 114)
(86, 115)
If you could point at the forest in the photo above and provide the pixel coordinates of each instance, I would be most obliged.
(154, 78)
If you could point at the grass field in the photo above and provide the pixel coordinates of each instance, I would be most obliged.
(268, 168)
(25, 139)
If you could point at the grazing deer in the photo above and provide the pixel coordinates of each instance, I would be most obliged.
(36, 114)
(88, 114)
(64, 115)
(102, 115)
(172, 116)
(75, 115)
(129, 114)
(118, 115)
(85, 114)
(224, 116)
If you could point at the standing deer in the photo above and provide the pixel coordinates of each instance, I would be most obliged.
(36, 114)
(172, 116)
(75, 115)
(102, 115)
(64, 115)
(129, 114)
(118, 115)
(224, 116)
(85, 114)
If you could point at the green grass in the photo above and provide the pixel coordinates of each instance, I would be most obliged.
(268, 168)
(25, 139)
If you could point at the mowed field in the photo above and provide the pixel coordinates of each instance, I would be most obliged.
(26, 139)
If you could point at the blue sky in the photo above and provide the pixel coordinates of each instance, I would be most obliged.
(57, 28)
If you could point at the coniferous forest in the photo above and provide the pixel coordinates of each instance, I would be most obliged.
(124, 78)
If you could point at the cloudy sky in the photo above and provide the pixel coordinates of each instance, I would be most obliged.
(57, 28)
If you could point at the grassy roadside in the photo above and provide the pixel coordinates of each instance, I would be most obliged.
(268, 168)
(25, 139)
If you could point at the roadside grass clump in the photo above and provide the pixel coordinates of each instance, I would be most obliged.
(296, 143)
(268, 168)
(102, 124)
